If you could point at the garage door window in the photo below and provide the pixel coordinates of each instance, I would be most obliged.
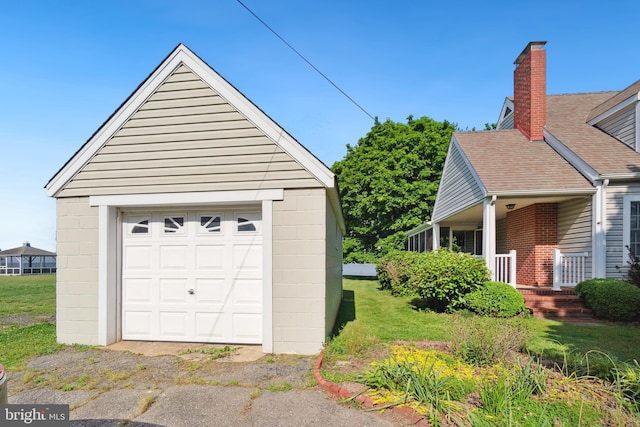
(174, 225)
(141, 227)
(210, 224)
(247, 223)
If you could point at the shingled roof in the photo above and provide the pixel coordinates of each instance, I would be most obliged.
(26, 250)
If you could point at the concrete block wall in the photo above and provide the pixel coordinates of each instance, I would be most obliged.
(533, 232)
(299, 271)
(77, 271)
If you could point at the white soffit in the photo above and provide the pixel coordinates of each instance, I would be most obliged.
(182, 55)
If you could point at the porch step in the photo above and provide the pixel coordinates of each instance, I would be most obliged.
(549, 304)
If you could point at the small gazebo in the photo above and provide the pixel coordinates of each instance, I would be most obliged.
(27, 260)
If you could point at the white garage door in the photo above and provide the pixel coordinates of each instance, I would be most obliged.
(192, 276)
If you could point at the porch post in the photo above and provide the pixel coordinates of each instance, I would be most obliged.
(599, 245)
(435, 237)
(489, 234)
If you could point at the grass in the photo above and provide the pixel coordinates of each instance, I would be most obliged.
(379, 317)
(33, 295)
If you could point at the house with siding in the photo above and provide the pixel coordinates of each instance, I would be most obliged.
(190, 215)
(552, 196)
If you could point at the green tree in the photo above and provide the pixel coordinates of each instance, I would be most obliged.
(388, 183)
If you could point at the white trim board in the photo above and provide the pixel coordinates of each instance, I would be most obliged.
(186, 199)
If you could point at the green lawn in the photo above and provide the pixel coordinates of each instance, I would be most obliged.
(34, 296)
(382, 317)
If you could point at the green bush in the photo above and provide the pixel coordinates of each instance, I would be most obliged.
(495, 299)
(446, 277)
(394, 270)
(611, 299)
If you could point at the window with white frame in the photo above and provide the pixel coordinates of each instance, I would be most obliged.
(634, 227)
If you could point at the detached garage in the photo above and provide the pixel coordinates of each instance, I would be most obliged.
(191, 216)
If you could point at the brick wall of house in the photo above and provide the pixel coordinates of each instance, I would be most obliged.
(533, 232)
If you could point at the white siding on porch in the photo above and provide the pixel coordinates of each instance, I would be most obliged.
(574, 229)
(459, 187)
(616, 253)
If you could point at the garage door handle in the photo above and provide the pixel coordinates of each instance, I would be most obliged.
(191, 291)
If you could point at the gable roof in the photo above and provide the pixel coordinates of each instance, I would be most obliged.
(506, 162)
(621, 96)
(181, 55)
(567, 122)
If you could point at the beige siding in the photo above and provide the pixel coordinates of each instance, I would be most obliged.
(616, 253)
(458, 187)
(299, 271)
(622, 126)
(333, 291)
(186, 137)
(575, 228)
(77, 276)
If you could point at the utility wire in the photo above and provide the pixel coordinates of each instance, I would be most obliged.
(306, 60)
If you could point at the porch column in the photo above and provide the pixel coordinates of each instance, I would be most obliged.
(599, 238)
(489, 234)
(435, 229)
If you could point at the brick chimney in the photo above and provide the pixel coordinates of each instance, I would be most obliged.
(530, 91)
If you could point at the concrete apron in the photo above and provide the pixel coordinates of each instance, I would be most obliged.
(241, 353)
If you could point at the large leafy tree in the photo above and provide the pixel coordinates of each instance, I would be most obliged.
(388, 183)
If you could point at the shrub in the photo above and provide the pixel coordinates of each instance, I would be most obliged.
(611, 299)
(495, 299)
(446, 277)
(394, 270)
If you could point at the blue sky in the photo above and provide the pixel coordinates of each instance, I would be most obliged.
(66, 66)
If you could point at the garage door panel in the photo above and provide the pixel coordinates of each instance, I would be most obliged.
(210, 325)
(247, 292)
(247, 258)
(173, 257)
(138, 258)
(247, 327)
(211, 291)
(174, 291)
(210, 257)
(173, 324)
(138, 324)
(138, 291)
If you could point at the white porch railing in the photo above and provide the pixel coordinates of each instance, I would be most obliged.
(568, 269)
(505, 268)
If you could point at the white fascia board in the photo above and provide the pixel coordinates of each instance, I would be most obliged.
(611, 111)
(543, 193)
(621, 176)
(185, 56)
(574, 160)
(187, 199)
(422, 227)
(336, 206)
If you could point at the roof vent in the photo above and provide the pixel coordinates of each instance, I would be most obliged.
(25, 243)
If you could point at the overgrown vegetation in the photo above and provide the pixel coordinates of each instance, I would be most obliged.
(611, 299)
(496, 372)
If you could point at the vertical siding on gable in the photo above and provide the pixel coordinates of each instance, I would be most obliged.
(616, 253)
(574, 228)
(186, 137)
(622, 126)
(458, 187)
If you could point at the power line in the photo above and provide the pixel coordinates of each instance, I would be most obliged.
(306, 60)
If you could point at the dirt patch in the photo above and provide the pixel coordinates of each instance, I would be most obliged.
(25, 320)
